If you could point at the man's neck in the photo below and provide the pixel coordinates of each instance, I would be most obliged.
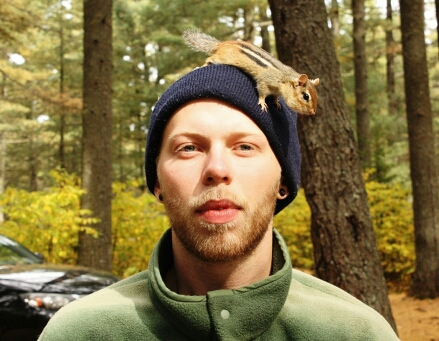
(192, 276)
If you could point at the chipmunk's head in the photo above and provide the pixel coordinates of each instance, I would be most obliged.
(304, 99)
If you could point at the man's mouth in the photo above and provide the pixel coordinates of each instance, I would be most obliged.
(218, 211)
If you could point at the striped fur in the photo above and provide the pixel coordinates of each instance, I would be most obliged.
(272, 76)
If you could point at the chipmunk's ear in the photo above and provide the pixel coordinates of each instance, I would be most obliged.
(303, 79)
(315, 82)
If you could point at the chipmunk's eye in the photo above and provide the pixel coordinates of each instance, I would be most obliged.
(305, 96)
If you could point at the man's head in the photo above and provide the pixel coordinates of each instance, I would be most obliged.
(218, 179)
(232, 86)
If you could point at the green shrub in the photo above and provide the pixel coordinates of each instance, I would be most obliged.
(293, 223)
(392, 215)
(49, 222)
(138, 221)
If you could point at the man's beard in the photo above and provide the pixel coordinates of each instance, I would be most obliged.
(226, 241)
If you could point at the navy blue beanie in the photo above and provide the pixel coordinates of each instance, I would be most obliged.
(231, 85)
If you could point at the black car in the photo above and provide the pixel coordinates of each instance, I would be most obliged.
(31, 291)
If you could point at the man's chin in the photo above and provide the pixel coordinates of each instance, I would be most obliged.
(210, 229)
(219, 242)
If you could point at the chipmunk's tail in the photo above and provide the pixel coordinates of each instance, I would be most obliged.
(199, 41)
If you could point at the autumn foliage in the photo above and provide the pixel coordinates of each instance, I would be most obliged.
(49, 222)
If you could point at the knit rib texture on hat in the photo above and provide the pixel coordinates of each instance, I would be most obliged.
(229, 84)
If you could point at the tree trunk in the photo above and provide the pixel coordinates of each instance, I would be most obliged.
(62, 119)
(345, 251)
(361, 93)
(265, 35)
(249, 27)
(422, 153)
(334, 18)
(97, 132)
(436, 2)
(3, 94)
(390, 56)
(2, 169)
(32, 157)
(33, 172)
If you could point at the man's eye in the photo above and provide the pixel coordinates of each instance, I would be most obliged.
(188, 148)
(245, 147)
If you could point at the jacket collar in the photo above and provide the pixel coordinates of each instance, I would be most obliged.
(249, 310)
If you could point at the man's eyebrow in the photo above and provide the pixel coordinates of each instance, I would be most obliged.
(193, 134)
(173, 137)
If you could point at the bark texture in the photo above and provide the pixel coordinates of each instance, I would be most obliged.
(97, 132)
(436, 4)
(390, 61)
(422, 153)
(334, 17)
(361, 92)
(341, 228)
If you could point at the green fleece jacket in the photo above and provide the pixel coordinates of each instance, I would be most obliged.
(288, 305)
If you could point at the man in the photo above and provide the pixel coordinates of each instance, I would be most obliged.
(222, 167)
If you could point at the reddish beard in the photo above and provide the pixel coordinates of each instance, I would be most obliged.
(220, 242)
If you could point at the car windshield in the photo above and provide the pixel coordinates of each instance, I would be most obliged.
(13, 253)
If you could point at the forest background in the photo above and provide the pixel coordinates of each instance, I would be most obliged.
(41, 124)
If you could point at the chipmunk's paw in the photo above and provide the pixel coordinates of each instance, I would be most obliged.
(263, 105)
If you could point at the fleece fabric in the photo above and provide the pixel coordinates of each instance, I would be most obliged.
(288, 305)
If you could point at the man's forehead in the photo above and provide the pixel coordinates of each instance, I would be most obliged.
(211, 115)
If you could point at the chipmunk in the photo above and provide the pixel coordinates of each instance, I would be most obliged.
(272, 77)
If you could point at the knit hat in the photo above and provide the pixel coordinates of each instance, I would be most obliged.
(231, 85)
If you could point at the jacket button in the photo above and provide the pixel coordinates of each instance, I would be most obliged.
(225, 314)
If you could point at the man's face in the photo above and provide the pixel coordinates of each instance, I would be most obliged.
(219, 180)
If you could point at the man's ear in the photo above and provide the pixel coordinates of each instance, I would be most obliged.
(283, 191)
(157, 191)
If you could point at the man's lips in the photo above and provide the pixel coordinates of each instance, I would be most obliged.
(218, 211)
(218, 205)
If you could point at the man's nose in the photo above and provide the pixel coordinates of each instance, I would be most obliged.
(217, 168)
